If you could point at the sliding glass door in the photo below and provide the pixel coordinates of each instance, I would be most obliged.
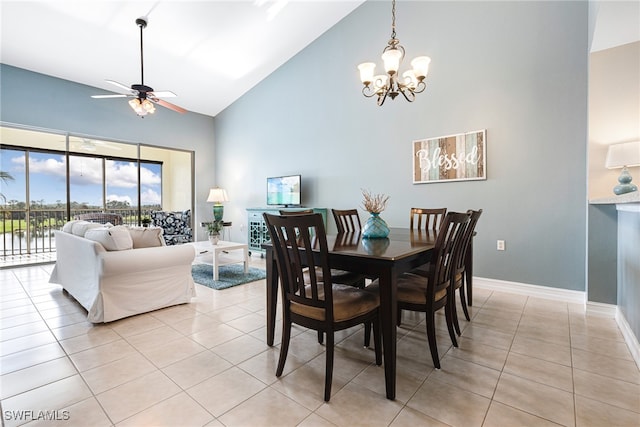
(49, 178)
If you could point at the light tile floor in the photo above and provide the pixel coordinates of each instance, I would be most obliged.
(521, 361)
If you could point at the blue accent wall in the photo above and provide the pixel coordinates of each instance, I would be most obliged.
(629, 265)
(517, 69)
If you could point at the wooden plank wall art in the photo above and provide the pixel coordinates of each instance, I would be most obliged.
(460, 157)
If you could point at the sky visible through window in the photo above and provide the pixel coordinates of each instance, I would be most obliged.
(48, 172)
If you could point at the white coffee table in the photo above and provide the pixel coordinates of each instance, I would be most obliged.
(233, 253)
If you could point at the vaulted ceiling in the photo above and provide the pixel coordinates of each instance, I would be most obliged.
(207, 52)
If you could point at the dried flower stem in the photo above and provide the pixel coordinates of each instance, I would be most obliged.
(374, 203)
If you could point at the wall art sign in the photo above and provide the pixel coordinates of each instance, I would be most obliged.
(460, 157)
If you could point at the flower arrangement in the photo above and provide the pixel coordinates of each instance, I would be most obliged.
(374, 203)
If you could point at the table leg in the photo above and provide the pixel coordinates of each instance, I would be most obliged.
(388, 319)
(245, 254)
(272, 295)
(215, 265)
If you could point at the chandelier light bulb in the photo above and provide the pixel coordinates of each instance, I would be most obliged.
(366, 72)
(420, 66)
(391, 58)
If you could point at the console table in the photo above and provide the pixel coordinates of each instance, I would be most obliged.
(257, 232)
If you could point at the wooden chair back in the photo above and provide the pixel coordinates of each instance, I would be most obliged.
(426, 219)
(445, 254)
(474, 216)
(347, 220)
(304, 274)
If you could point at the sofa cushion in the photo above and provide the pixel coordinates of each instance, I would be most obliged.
(80, 228)
(148, 237)
(67, 228)
(113, 238)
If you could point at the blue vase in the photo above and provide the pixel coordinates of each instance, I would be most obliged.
(375, 227)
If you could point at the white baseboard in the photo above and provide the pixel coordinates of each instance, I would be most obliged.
(629, 336)
(601, 309)
(530, 290)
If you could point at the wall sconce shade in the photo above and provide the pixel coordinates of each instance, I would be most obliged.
(623, 155)
(217, 196)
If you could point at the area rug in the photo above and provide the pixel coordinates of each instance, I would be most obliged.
(229, 275)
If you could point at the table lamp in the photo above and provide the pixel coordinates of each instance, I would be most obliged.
(626, 154)
(217, 196)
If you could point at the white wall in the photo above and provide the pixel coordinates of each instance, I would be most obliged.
(518, 69)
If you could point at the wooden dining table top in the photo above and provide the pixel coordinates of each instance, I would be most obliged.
(401, 242)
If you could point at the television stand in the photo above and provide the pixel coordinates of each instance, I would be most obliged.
(257, 232)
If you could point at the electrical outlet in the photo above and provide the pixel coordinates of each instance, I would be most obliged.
(500, 245)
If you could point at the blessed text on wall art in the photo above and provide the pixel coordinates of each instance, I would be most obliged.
(460, 157)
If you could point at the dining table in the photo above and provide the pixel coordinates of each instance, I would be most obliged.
(382, 258)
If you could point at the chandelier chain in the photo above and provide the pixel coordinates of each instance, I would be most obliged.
(393, 19)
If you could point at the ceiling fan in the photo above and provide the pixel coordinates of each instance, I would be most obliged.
(143, 96)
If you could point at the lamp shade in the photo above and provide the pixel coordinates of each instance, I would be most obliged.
(217, 195)
(366, 72)
(391, 59)
(624, 154)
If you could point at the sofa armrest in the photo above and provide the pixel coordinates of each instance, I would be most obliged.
(76, 266)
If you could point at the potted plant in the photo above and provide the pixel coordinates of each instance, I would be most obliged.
(214, 229)
(145, 221)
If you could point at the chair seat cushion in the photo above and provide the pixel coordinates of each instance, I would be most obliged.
(348, 303)
(412, 289)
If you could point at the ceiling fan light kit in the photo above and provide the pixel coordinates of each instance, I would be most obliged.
(389, 84)
(144, 97)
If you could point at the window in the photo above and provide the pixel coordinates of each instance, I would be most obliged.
(40, 191)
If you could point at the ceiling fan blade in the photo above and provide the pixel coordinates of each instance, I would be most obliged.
(121, 86)
(169, 106)
(109, 96)
(163, 94)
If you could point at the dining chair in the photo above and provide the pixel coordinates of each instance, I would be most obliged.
(426, 219)
(337, 276)
(317, 303)
(459, 270)
(348, 224)
(430, 293)
(347, 220)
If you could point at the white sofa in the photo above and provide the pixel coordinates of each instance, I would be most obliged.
(116, 272)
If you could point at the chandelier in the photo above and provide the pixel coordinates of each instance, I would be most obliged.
(390, 84)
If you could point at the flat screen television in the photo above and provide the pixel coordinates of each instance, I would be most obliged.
(283, 190)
